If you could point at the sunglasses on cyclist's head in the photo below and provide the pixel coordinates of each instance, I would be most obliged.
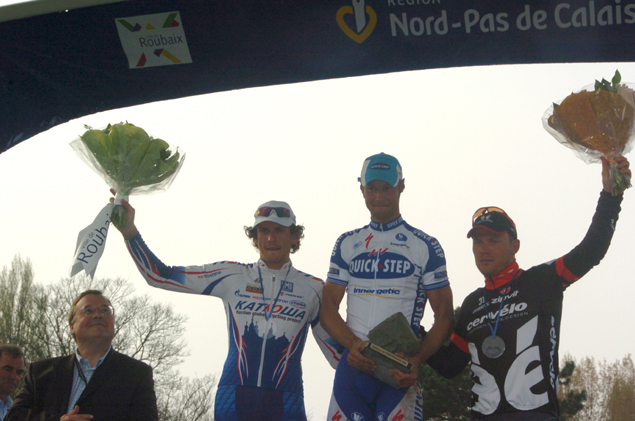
(494, 219)
(280, 211)
(488, 209)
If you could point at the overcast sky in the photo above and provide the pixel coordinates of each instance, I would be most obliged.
(466, 138)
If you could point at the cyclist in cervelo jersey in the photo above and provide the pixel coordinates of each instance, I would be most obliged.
(509, 329)
(385, 267)
(269, 305)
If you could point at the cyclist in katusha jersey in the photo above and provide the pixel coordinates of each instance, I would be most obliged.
(510, 329)
(270, 306)
(385, 267)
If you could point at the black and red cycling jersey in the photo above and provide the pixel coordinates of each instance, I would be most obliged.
(523, 308)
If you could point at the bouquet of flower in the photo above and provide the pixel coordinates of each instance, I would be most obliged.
(131, 162)
(597, 121)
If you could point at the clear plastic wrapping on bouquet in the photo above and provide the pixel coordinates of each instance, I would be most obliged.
(128, 159)
(598, 120)
(131, 162)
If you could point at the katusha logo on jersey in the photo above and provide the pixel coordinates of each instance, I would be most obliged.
(386, 265)
(362, 18)
(261, 308)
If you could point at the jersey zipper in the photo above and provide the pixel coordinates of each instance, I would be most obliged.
(266, 332)
(375, 281)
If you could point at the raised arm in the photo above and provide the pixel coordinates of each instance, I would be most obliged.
(622, 166)
(192, 279)
(129, 230)
(597, 240)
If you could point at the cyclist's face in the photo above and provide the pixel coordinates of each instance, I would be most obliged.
(493, 252)
(274, 243)
(382, 200)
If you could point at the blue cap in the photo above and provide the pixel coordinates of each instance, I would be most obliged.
(382, 167)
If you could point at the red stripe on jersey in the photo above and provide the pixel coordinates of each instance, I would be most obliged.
(564, 272)
(158, 279)
(205, 272)
(460, 342)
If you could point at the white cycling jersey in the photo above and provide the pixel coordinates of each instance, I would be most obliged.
(268, 318)
(386, 268)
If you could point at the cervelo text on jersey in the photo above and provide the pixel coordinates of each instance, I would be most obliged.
(513, 309)
(501, 312)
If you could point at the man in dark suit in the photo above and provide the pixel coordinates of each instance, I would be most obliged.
(11, 372)
(96, 383)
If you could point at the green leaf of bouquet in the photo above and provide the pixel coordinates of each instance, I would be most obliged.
(616, 79)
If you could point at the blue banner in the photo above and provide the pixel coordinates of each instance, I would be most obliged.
(61, 66)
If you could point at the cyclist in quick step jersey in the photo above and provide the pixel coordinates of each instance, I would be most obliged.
(510, 329)
(269, 305)
(385, 267)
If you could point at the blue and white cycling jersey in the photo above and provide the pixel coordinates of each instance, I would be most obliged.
(268, 317)
(386, 268)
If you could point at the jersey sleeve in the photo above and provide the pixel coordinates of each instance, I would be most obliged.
(206, 279)
(595, 244)
(452, 358)
(449, 360)
(330, 348)
(338, 268)
(435, 273)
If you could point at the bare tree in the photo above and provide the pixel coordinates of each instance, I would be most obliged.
(182, 399)
(570, 400)
(620, 403)
(35, 317)
(587, 378)
(610, 389)
(22, 309)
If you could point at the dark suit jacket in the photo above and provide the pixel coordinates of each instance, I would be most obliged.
(121, 388)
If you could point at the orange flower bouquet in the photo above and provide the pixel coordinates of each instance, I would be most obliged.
(597, 121)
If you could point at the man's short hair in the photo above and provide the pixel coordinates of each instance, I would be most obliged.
(252, 234)
(12, 350)
(72, 311)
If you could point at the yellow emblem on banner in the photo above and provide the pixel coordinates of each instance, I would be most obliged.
(370, 26)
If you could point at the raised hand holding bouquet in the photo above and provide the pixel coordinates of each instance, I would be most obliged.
(131, 162)
(599, 120)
